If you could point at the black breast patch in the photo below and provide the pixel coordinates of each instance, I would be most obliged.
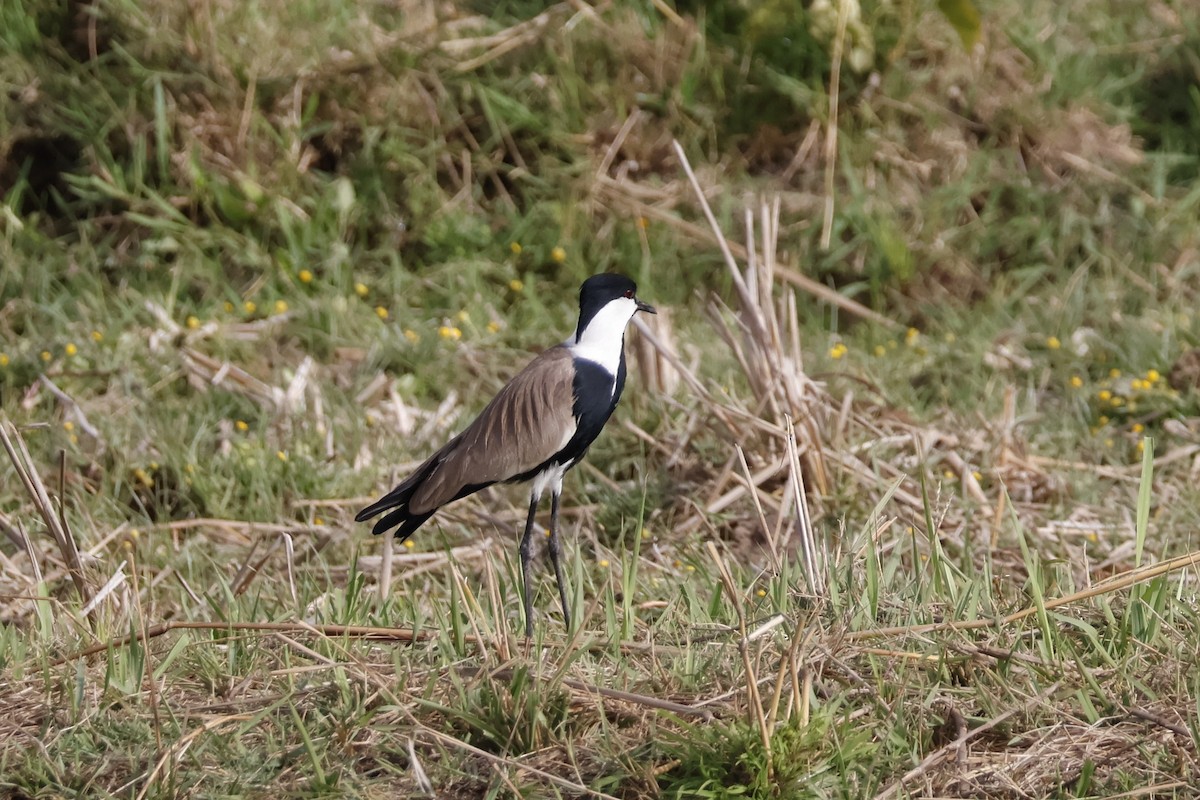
(596, 394)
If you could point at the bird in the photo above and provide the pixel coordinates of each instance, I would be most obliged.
(536, 428)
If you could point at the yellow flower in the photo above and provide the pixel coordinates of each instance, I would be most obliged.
(448, 332)
(249, 306)
(281, 306)
(517, 285)
(46, 355)
(838, 351)
(1141, 445)
(3, 359)
(643, 223)
(463, 316)
(880, 351)
(1103, 420)
(97, 336)
(193, 322)
(242, 425)
(409, 543)
(68, 426)
(71, 349)
(282, 456)
(761, 593)
(361, 289)
(690, 568)
(951, 338)
(1076, 382)
(1152, 376)
(1114, 373)
(318, 521)
(381, 312)
(558, 255)
(493, 327)
(910, 336)
(411, 335)
(1138, 427)
(305, 276)
(603, 562)
(1104, 394)
(228, 307)
(646, 533)
(1053, 343)
(515, 248)
(949, 474)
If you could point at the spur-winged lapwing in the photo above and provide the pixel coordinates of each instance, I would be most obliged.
(538, 427)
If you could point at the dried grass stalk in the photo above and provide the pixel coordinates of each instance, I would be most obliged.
(18, 453)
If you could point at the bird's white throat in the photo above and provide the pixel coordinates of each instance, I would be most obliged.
(604, 337)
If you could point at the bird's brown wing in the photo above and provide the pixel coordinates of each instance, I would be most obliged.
(529, 421)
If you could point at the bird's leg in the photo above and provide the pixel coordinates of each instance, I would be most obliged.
(555, 551)
(526, 542)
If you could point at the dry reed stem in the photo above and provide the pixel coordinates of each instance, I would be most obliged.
(753, 699)
(499, 44)
(831, 131)
(622, 192)
(148, 659)
(333, 630)
(814, 572)
(773, 547)
(18, 453)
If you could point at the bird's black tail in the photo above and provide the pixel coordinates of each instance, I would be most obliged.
(398, 500)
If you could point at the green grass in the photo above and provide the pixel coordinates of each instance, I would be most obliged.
(267, 256)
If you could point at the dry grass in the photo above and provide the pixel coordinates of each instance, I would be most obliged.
(814, 650)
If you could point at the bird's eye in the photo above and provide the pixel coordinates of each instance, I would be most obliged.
(629, 293)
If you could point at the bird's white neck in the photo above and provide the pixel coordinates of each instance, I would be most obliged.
(603, 338)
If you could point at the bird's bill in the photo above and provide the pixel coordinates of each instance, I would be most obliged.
(649, 309)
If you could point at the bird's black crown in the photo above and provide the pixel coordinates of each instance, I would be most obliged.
(598, 291)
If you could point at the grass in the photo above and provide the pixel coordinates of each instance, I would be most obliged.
(257, 261)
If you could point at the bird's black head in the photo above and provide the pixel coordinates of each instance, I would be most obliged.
(600, 290)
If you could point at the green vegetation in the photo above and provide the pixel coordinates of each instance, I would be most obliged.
(257, 259)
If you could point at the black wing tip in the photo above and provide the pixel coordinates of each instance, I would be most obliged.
(370, 511)
(404, 521)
